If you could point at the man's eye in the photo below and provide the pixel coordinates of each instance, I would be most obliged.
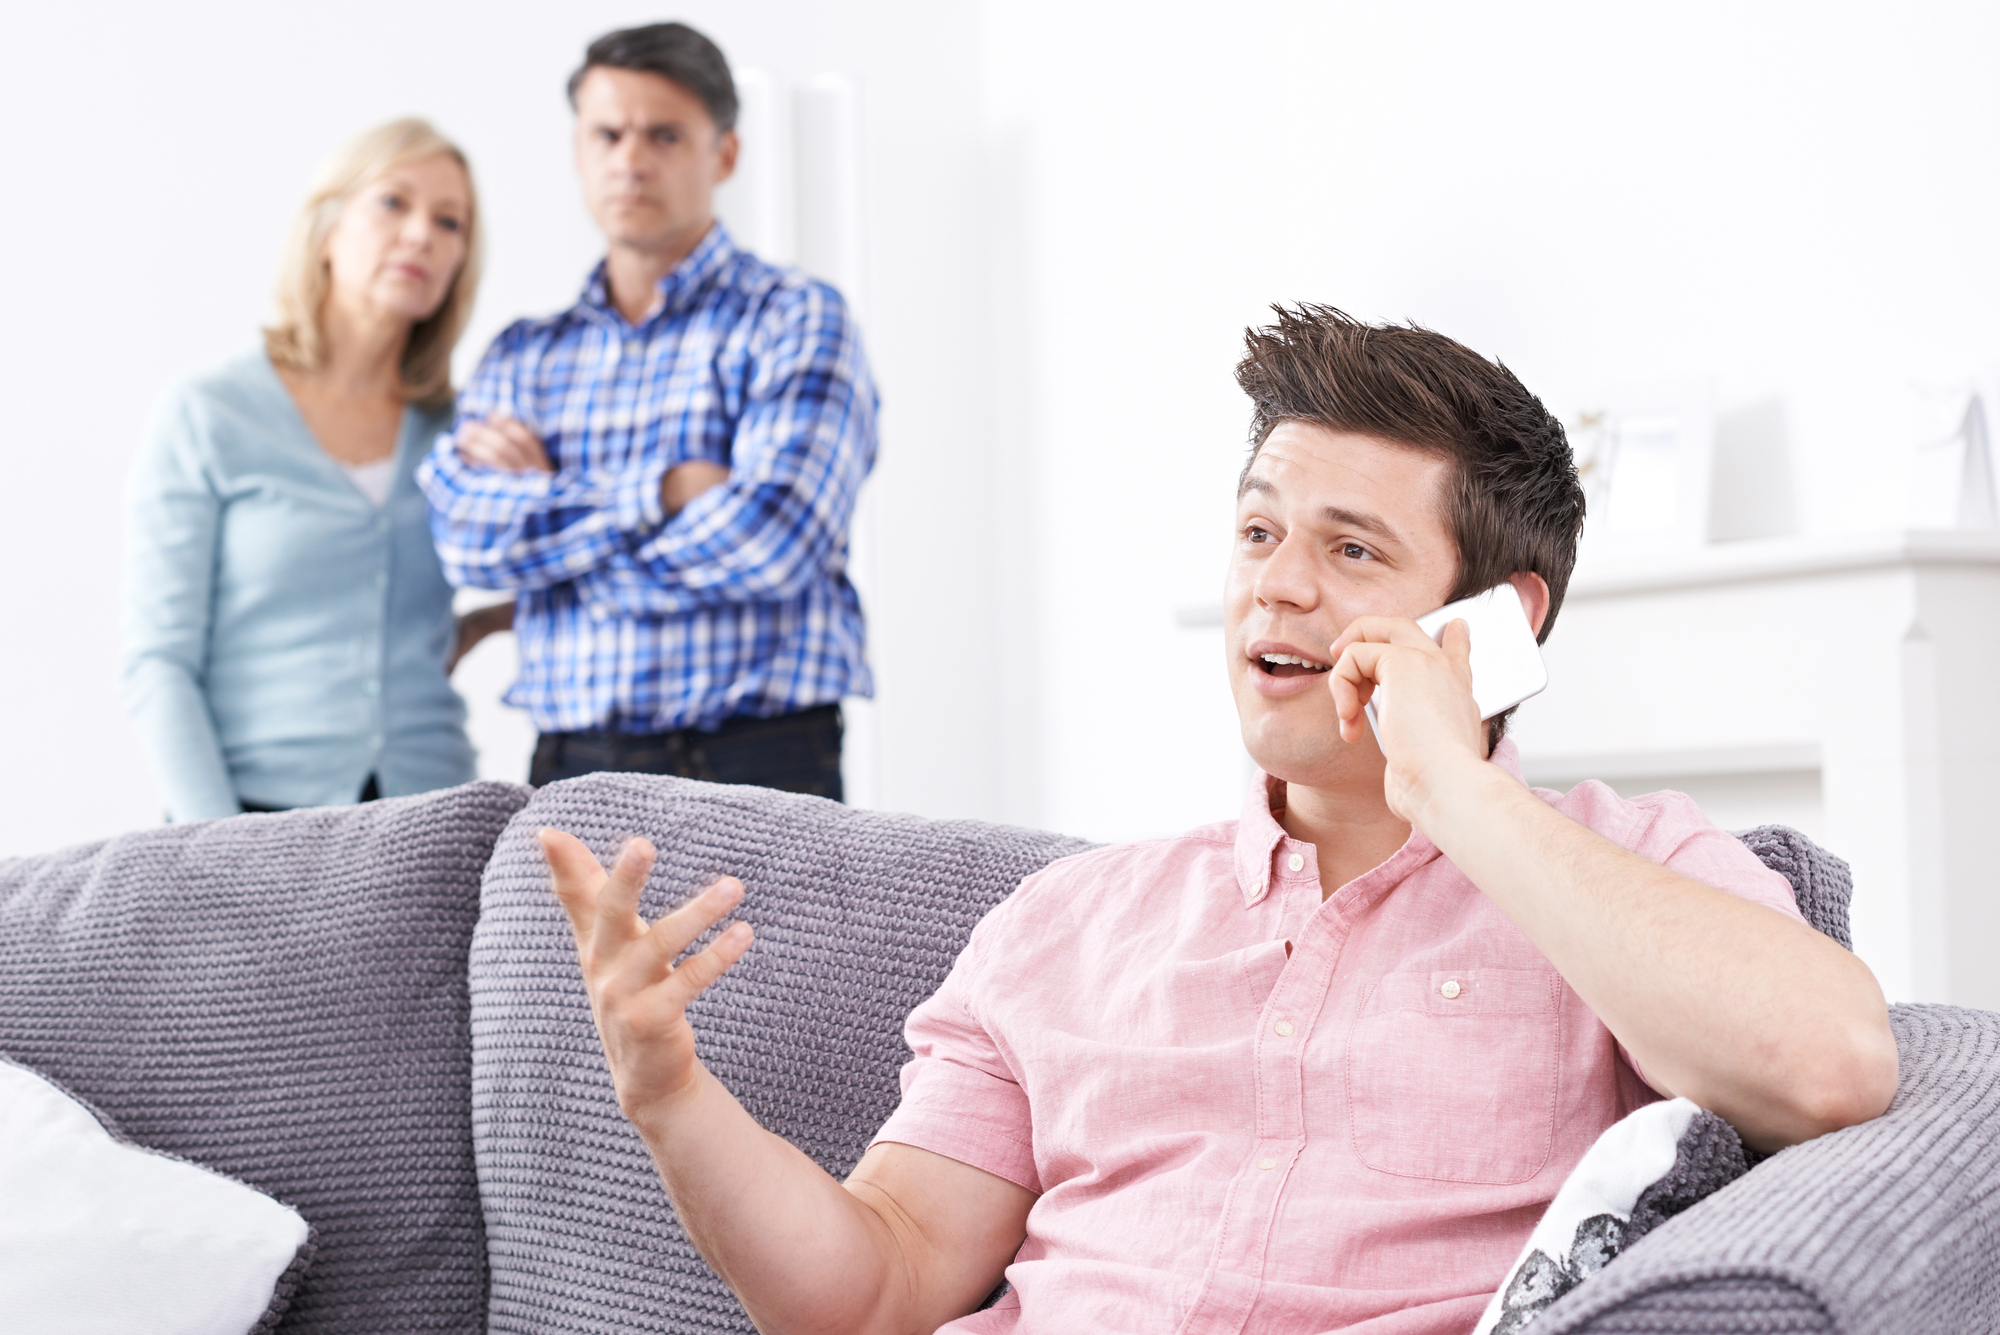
(1354, 551)
(664, 136)
(1256, 534)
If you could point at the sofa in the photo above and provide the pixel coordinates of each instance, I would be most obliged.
(373, 1014)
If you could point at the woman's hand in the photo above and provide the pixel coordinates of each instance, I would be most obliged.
(638, 994)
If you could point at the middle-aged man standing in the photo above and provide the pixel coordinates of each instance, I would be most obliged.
(1321, 1067)
(664, 473)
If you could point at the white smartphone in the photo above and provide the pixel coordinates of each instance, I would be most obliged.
(1507, 665)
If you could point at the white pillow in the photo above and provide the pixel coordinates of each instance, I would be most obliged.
(1585, 1226)
(98, 1235)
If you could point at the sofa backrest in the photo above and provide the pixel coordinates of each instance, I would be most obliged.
(1821, 882)
(859, 915)
(282, 998)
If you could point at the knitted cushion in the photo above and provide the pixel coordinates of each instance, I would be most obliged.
(1887, 1228)
(1646, 1168)
(1821, 882)
(282, 998)
(100, 1234)
(859, 916)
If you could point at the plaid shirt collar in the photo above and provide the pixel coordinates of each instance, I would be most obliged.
(680, 287)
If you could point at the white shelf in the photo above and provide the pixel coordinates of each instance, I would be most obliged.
(1781, 558)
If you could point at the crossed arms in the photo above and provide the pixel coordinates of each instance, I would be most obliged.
(1747, 1012)
(754, 508)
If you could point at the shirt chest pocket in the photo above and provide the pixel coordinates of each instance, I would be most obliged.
(1452, 1074)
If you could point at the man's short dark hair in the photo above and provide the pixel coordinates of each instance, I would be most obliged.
(672, 51)
(1514, 501)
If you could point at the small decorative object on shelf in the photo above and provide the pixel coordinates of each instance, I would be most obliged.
(1645, 456)
(1951, 464)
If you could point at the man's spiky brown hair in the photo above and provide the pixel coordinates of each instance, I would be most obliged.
(1513, 502)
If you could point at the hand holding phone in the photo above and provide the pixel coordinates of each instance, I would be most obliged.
(1507, 665)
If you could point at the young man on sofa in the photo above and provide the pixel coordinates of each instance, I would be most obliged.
(1321, 1067)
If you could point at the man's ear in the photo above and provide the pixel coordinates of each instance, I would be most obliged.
(725, 152)
(1534, 591)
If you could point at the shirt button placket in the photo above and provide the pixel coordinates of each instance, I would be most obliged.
(1239, 1257)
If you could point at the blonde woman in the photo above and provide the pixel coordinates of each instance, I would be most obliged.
(287, 628)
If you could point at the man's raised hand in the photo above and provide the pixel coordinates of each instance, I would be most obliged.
(638, 995)
(1429, 722)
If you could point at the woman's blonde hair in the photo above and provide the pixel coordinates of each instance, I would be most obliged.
(298, 339)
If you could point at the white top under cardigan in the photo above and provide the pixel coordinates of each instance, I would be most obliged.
(285, 636)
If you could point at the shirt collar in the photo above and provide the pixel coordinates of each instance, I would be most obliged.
(1259, 836)
(711, 256)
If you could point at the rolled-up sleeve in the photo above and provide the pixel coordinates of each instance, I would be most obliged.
(960, 1099)
(802, 447)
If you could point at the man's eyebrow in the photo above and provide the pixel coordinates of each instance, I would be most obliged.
(1333, 514)
(1361, 519)
(644, 127)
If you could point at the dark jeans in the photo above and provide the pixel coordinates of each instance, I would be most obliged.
(370, 792)
(797, 753)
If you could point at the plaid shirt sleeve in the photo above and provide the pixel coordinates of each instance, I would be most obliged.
(802, 447)
(496, 529)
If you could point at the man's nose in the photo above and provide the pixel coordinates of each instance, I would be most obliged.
(1288, 577)
(628, 155)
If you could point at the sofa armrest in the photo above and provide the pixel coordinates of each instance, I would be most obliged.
(1892, 1226)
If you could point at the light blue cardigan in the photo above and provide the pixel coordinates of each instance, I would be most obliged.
(284, 638)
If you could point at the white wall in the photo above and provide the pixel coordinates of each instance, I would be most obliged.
(1794, 200)
(1072, 211)
(153, 159)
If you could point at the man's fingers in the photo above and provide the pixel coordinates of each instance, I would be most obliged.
(523, 445)
(577, 876)
(1456, 641)
(676, 931)
(501, 442)
(696, 974)
(1382, 630)
(1353, 680)
(617, 921)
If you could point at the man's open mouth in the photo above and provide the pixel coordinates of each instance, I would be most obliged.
(1290, 665)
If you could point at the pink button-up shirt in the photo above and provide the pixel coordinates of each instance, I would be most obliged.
(1248, 1109)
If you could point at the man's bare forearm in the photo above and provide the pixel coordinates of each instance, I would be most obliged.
(1745, 1011)
(801, 1252)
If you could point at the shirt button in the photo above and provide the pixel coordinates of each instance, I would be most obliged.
(1284, 1028)
(372, 686)
(1267, 1164)
(1296, 862)
(381, 578)
(375, 742)
(1451, 989)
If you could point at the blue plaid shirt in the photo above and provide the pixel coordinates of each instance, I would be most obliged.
(738, 606)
